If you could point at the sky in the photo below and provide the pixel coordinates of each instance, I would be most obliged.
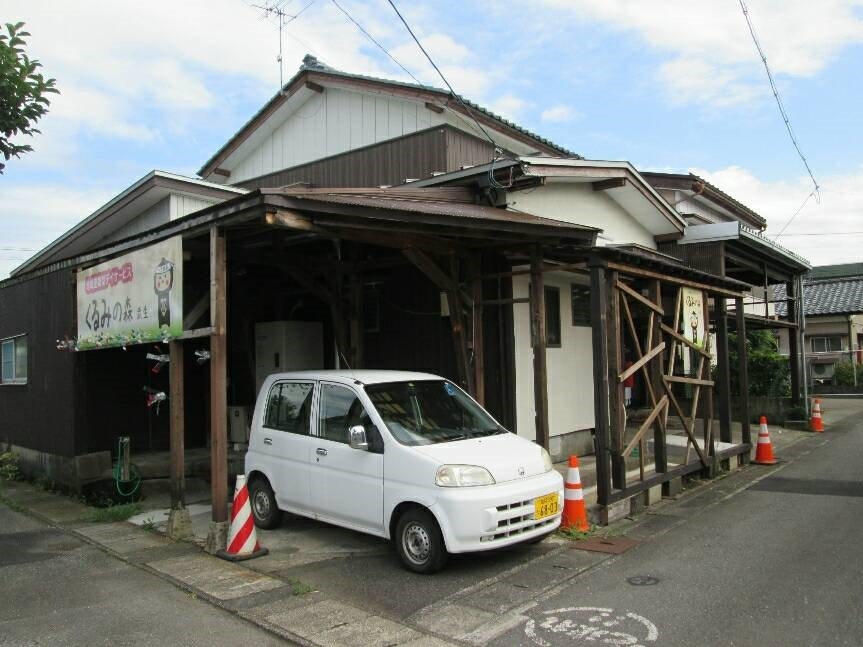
(669, 85)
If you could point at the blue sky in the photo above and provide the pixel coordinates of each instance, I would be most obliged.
(669, 85)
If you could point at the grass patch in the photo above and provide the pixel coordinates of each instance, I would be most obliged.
(298, 587)
(114, 513)
(578, 535)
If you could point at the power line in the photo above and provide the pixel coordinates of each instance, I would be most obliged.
(372, 39)
(799, 209)
(437, 69)
(782, 111)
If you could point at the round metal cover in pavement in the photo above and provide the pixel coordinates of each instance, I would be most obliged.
(642, 580)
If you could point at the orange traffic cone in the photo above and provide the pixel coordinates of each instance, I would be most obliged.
(242, 540)
(574, 512)
(816, 423)
(764, 448)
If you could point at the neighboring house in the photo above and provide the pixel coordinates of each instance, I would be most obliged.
(834, 319)
(377, 216)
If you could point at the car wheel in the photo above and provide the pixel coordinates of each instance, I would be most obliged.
(419, 542)
(263, 502)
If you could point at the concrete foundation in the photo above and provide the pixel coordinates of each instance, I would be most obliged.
(613, 512)
(179, 524)
(579, 443)
(673, 487)
(69, 472)
(653, 495)
(217, 536)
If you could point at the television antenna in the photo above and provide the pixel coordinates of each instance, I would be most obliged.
(276, 9)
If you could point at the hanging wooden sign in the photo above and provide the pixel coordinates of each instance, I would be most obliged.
(134, 299)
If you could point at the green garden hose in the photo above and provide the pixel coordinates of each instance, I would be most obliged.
(135, 476)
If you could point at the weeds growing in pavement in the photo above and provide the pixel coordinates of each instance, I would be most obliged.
(9, 470)
(114, 513)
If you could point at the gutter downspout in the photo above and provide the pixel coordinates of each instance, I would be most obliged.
(802, 317)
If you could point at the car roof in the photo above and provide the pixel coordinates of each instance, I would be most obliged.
(363, 376)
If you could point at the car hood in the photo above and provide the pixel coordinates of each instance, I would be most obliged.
(507, 456)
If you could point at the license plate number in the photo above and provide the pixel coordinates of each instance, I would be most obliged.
(545, 506)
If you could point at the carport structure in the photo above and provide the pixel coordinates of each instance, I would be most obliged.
(321, 250)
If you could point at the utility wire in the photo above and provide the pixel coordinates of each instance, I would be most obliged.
(790, 220)
(782, 111)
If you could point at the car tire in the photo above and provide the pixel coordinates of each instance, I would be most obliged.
(265, 511)
(419, 542)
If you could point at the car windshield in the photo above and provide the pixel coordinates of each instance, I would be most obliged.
(430, 411)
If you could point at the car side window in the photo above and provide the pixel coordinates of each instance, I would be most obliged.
(289, 407)
(341, 409)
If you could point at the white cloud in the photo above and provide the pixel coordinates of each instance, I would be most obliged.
(712, 55)
(508, 106)
(833, 220)
(559, 113)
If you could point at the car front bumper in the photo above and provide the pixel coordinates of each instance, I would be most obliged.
(487, 517)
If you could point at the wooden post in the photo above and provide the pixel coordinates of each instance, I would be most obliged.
(456, 318)
(794, 345)
(617, 412)
(743, 371)
(218, 378)
(657, 370)
(598, 323)
(537, 330)
(356, 322)
(478, 340)
(723, 373)
(704, 373)
(177, 440)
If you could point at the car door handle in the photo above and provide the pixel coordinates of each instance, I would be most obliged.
(268, 441)
(321, 451)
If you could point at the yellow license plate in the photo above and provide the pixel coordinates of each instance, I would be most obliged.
(545, 506)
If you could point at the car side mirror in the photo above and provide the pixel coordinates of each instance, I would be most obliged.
(357, 438)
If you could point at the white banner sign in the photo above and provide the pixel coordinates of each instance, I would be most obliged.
(133, 299)
(693, 316)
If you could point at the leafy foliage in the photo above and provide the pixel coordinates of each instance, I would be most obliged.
(769, 372)
(843, 374)
(9, 467)
(23, 92)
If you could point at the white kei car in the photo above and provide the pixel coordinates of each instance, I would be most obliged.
(406, 456)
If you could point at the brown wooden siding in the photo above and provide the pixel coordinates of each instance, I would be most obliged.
(40, 414)
(707, 257)
(414, 156)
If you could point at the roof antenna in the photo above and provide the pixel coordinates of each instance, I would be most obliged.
(275, 9)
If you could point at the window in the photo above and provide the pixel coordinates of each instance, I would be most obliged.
(580, 305)
(827, 344)
(13, 360)
(552, 317)
(341, 409)
(289, 406)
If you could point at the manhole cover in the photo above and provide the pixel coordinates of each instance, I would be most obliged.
(642, 580)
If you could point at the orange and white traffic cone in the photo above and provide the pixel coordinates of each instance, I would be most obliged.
(242, 539)
(574, 512)
(764, 448)
(816, 423)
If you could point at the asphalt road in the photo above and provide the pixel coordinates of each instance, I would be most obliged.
(777, 563)
(57, 590)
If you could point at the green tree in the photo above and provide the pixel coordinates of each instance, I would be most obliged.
(843, 374)
(22, 92)
(769, 372)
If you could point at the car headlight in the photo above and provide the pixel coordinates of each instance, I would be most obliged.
(462, 476)
(546, 459)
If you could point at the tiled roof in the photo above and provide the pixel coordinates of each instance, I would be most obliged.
(846, 270)
(831, 297)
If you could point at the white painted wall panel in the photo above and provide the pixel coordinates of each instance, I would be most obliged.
(158, 214)
(570, 367)
(579, 203)
(183, 205)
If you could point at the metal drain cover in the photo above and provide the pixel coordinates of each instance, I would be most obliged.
(642, 580)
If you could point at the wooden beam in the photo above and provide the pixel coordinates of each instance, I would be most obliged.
(644, 359)
(432, 270)
(645, 302)
(357, 333)
(687, 380)
(648, 422)
(197, 332)
(503, 302)
(537, 328)
(611, 183)
(459, 334)
(637, 271)
(683, 340)
(290, 220)
(477, 326)
(177, 433)
(656, 371)
(196, 312)
(218, 377)
(434, 107)
(743, 375)
(314, 87)
(688, 423)
(617, 412)
(723, 386)
(599, 324)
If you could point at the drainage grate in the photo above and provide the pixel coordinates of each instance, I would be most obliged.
(642, 580)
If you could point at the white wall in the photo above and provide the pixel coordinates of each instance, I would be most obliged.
(570, 367)
(154, 216)
(577, 202)
(331, 122)
(183, 205)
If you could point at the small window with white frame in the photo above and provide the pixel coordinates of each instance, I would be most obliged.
(13, 360)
